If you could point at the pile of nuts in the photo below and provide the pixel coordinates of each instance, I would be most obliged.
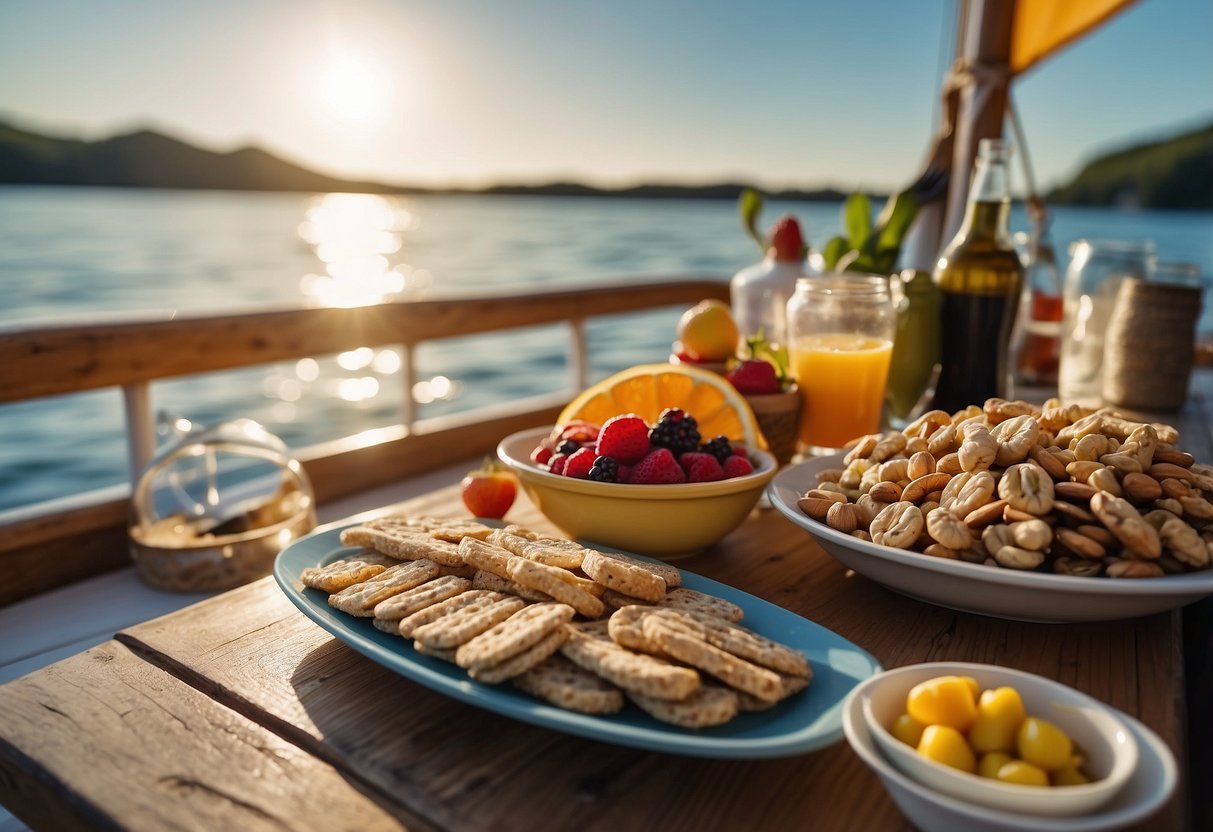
(1068, 489)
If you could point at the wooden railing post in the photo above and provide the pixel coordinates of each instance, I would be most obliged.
(140, 432)
(579, 368)
(408, 377)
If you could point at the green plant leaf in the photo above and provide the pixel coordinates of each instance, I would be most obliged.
(834, 249)
(894, 221)
(750, 204)
(857, 219)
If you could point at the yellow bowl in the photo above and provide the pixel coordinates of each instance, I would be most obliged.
(662, 521)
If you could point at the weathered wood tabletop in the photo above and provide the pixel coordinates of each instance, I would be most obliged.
(239, 713)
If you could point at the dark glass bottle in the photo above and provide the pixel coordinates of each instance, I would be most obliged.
(979, 276)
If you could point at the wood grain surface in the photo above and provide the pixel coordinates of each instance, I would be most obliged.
(415, 753)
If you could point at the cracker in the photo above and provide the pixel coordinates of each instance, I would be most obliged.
(404, 604)
(754, 648)
(521, 630)
(549, 551)
(789, 686)
(520, 662)
(339, 574)
(452, 529)
(402, 542)
(548, 579)
(480, 598)
(625, 627)
(676, 637)
(463, 625)
(568, 686)
(599, 628)
(623, 577)
(447, 655)
(616, 600)
(667, 573)
(360, 599)
(389, 627)
(634, 672)
(486, 556)
(487, 580)
(463, 571)
(694, 601)
(708, 706)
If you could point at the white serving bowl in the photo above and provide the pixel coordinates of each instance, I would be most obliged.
(662, 521)
(1139, 772)
(986, 590)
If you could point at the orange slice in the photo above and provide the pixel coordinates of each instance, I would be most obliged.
(648, 389)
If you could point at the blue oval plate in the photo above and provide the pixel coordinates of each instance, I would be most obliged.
(802, 723)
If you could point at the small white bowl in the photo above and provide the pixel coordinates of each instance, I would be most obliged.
(1149, 783)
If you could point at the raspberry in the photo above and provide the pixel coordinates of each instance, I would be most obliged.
(658, 468)
(754, 377)
(580, 463)
(701, 467)
(604, 469)
(719, 447)
(624, 474)
(557, 462)
(676, 430)
(786, 239)
(737, 466)
(624, 438)
(541, 454)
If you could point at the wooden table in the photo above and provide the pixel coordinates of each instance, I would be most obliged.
(239, 713)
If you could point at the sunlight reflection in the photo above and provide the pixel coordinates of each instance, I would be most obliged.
(386, 362)
(355, 359)
(358, 389)
(354, 235)
(438, 388)
(307, 369)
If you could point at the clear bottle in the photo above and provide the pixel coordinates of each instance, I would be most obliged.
(759, 294)
(979, 276)
(1036, 343)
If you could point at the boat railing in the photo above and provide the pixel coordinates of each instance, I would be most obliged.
(48, 544)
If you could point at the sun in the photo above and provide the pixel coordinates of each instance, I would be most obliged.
(350, 89)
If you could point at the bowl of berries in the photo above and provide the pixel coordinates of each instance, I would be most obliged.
(658, 485)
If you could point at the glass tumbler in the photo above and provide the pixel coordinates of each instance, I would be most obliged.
(840, 340)
(1097, 268)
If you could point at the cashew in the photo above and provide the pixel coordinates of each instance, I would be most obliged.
(1015, 437)
(1014, 557)
(1032, 534)
(949, 529)
(1027, 488)
(1124, 521)
(978, 450)
(898, 525)
(967, 491)
(918, 489)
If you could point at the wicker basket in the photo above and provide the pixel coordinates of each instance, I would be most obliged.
(779, 417)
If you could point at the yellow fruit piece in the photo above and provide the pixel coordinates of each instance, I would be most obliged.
(944, 700)
(907, 729)
(648, 389)
(946, 745)
(1023, 773)
(1043, 744)
(973, 686)
(1070, 774)
(990, 763)
(999, 714)
(708, 332)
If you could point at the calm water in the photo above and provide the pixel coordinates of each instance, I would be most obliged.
(84, 253)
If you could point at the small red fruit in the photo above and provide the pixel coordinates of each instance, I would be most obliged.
(489, 491)
(787, 241)
(737, 466)
(541, 455)
(701, 467)
(557, 462)
(657, 468)
(580, 463)
(624, 438)
(754, 377)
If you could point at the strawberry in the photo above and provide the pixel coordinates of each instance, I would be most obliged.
(786, 240)
(657, 468)
(701, 467)
(737, 466)
(580, 463)
(541, 455)
(489, 491)
(557, 462)
(624, 438)
(754, 377)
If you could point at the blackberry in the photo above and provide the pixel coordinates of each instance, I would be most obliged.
(718, 447)
(568, 447)
(604, 469)
(676, 430)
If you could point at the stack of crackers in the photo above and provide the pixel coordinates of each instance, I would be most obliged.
(580, 628)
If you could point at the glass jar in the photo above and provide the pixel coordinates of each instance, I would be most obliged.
(1097, 268)
(216, 506)
(840, 340)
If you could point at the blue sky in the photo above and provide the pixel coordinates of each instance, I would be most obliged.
(782, 94)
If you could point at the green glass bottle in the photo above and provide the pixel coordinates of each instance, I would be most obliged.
(979, 276)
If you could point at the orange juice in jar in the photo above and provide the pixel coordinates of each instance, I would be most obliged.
(840, 341)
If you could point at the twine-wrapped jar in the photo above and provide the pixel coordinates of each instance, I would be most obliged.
(1149, 346)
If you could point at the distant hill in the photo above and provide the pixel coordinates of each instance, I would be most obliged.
(1173, 173)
